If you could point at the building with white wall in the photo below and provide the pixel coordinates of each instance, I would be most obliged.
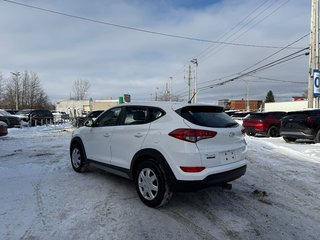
(286, 106)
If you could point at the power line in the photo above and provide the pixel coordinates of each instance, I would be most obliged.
(286, 47)
(210, 48)
(278, 52)
(216, 49)
(262, 68)
(275, 80)
(139, 29)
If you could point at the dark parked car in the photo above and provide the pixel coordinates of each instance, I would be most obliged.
(301, 125)
(3, 128)
(36, 116)
(9, 119)
(79, 121)
(13, 112)
(267, 123)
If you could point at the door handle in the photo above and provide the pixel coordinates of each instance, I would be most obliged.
(106, 135)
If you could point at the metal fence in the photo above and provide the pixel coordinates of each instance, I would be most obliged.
(38, 121)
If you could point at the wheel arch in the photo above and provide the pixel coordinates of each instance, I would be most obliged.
(156, 156)
(77, 140)
(276, 127)
(317, 135)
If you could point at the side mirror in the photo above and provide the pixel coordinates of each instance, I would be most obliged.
(88, 123)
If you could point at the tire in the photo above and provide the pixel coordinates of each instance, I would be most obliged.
(78, 158)
(317, 137)
(251, 134)
(151, 184)
(289, 139)
(273, 132)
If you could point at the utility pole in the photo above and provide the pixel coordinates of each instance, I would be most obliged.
(195, 62)
(314, 48)
(247, 97)
(166, 93)
(189, 83)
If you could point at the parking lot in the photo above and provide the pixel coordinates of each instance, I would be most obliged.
(43, 198)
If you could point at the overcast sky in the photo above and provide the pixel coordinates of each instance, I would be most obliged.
(116, 61)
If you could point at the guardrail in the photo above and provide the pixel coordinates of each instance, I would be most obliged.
(38, 121)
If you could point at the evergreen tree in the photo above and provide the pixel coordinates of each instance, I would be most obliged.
(269, 97)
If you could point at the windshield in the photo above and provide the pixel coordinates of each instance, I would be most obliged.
(4, 113)
(22, 112)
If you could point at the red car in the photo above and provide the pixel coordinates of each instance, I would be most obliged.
(3, 128)
(267, 123)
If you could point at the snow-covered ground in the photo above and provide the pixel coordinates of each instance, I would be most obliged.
(41, 197)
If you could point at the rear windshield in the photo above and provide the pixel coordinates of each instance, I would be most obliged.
(24, 111)
(277, 115)
(256, 115)
(207, 116)
(308, 113)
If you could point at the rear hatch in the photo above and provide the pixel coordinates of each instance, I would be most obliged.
(254, 123)
(294, 121)
(227, 146)
(253, 119)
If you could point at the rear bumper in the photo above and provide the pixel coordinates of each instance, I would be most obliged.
(252, 131)
(302, 134)
(211, 180)
(259, 127)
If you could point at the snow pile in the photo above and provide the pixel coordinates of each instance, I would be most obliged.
(41, 196)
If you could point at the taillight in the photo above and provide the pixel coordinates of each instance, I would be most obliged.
(192, 135)
(192, 169)
(310, 120)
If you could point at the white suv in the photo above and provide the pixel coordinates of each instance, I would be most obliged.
(163, 147)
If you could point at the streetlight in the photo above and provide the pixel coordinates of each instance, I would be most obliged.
(16, 74)
(195, 62)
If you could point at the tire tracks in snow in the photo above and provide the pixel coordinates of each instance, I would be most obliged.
(40, 207)
(190, 225)
(235, 217)
(40, 213)
(219, 228)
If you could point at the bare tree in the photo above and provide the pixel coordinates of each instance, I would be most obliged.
(80, 89)
(36, 91)
(25, 91)
(11, 91)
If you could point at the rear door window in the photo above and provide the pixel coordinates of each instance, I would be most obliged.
(207, 116)
(135, 115)
(155, 113)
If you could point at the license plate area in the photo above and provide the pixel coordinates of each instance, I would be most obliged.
(229, 156)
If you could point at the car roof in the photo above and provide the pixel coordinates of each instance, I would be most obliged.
(307, 111)
(166, 105)
(5, 113)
